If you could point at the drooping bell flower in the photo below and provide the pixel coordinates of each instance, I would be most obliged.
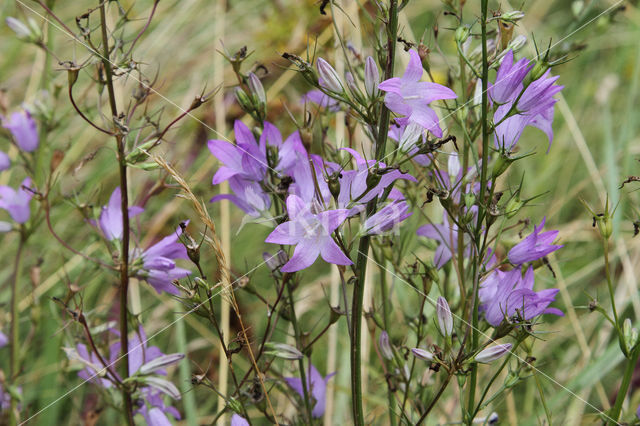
(24, 130)
(111, 216)
(316, 386)
(16, 202)
(386, 219)
(535, 246)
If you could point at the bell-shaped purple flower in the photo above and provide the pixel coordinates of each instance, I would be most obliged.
(386, 219)
(3, 339)
(316, 384)
(17, 202)
(24, 130)
(238, 420)
(410, 97)
(310, 230)
(246, 159)
(111, 216)
(316, 96)
(447, 235)
(534, 247)
(158, 263)
(508, 84)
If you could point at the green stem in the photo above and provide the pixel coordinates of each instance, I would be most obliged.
(124, 206)
(363, 246)
(14, 355)
(624, 386)
(303, 374)
(607, 273)
(483, 184)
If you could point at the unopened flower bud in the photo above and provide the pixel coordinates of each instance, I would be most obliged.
(22, 31)
(423, 354)
(500, 165)
(385, 346)
(256, 88)
(139, 153)
(513, 16)
(493, 353)
(605, 225)
(445, 319)
(517, 43)
(511, 379)
(282, 350)
(147, 166)
(244, 100)
(630, 334)
(469, 199)
(462, 33)
(538, 70)
(513, 206)
(329, 76)
(371, 77)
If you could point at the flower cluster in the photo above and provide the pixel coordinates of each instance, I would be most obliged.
(147, 366)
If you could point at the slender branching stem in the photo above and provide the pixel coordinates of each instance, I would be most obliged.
(614, 414)
(124, 206)
(363, 245)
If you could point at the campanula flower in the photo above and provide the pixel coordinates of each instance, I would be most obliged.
(24, 130)
(508, 294)
(310, 230)
(371, 77)
(238, 420)
(445, 319)
(410, 97)
(447, 235)
(111, 216)
(509, 78)
(534, 247)
(386, 219)
(246, 159)
(248, 196)
(3, 339)
(328, 77)
(16, 202)
(493, 353)
(158, 265)
(316, 384)
(318, 97)
(408, 136)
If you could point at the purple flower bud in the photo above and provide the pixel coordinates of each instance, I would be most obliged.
(24, 130)
(160, 362)
(534, 247)
(385, 346)
(256, 88)
(282, 350)
(329, 77)
(238, 420)
(445, 319)
(371, 77)
(22, 31)
(492, 353)
(3, 339)
(17, 202)
(422, 354)
(386, 219)
(5, 162)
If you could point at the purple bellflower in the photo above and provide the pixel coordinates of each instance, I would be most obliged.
(147, 362)
(534, 247)
(111, 216)
(24, 130)
(3, 339)
(316, 96)
(410, 97)
(157, 266)
(447, 235)
(533, 107)
(387, 219)
(17, 202)
(310, 230)
(248, 196)
(407, 136)
(238, 420)
(317, 386)
(509, 294)
(246, 159)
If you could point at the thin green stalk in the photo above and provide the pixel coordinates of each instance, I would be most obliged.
(624, 386)
(14, 362)
(124, 206)
(190, 409)
(303, 374)
(607, 273)
(363, 246)
(483, 184)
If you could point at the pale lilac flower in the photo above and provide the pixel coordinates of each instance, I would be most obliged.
(509, 79)
(321, 99)
(17, 202)
(158, 263)
(22, 30)
(3, 339)
(5, 161)
(290, 151)
(445, 319)
(535, 246)
(316, 384)
(310, 230)
(534, 108)
(410, 97)
(111, 216)
(447, 235)
(407, 136)
(385, 345)
(509, 294)
(248, 195)
(246, 159)
(256, 88)
(386, 219)
(493, 353)
(238, 420)
(24, 130)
